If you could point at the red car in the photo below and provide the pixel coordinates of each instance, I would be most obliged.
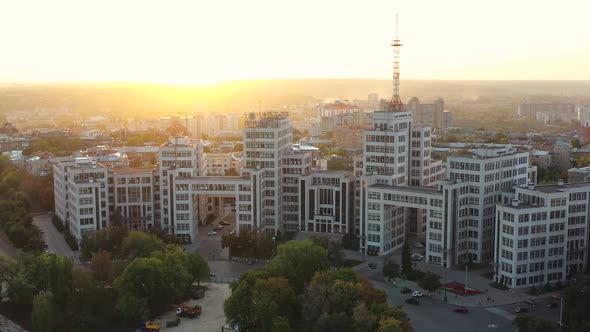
(461, 310)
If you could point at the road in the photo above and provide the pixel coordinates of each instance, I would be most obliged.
(433, 316)
(55, 239)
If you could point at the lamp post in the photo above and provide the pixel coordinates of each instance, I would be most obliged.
(446, 266)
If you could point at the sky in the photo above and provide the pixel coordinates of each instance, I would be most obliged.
(209, 41)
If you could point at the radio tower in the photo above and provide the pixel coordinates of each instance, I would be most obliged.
(395, 105)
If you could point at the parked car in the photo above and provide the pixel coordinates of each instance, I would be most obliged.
(406, 290)
(520, 310)
(416, 257)
(530, 302)
(232, 232)
(171, 323)
(556, 296)
(418, 245)
(217, 227)
(373, 266)
(417, 294)
(461, 310)
(552, 305)
(220, 226)
(212, 233)
(412, 300)
(224, 223)
(250, 262)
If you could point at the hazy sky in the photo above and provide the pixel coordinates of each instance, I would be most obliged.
(203, 41)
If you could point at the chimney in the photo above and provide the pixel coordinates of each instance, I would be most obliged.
(560, 182)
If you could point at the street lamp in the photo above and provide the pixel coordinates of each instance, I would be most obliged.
(446, 266)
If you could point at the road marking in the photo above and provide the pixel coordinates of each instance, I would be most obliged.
(501, 313)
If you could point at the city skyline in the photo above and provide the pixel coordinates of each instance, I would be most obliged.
(184, 42)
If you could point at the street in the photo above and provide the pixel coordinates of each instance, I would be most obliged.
(55, 239)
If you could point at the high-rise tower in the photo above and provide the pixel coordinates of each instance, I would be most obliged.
(395, 105)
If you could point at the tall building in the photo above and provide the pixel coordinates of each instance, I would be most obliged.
(81, 195)
(177, 158)
(541, 234)
(432, 115)
(530, 110)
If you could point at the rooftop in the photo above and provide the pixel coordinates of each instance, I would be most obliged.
(412, 189)
(554, 188)
(132, 170)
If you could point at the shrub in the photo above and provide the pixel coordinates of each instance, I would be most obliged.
(70, 239)
(498, 285)
(414, 275)
(533, 290)
(558, 285)
(57, 223)
(547, 287)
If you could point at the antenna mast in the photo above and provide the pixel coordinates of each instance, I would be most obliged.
(395, 105)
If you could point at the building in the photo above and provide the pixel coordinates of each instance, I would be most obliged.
(541, 234)
(530, 110)
(348, 137)
(131, 196)
(432, 115)
(561, 155)
(577, 175)
(81, 195)
(221, 163)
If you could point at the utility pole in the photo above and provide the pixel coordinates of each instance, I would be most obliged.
(560, 313)
(465, 286)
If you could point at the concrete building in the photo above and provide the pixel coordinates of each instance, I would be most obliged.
(561, 155)
(530, 110)
(541, 234)
(432, 115)
(220, 164)
(131, 196)
(81, 195)
(577, 175)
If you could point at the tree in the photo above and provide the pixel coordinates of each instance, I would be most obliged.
(338, 322)
(406, 259)
(145, 278)
(390, 269)
(43, 313)
(390, 324)
(298, 261)
(231, 172)
(198, 267)
(363, 320)
(102, 266)
(576, 143)
(429, 281)
(280, 324)
(133, 308)
(140, 244)
(271, 297)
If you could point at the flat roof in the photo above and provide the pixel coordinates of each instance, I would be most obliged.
(414, 189)
(132, 170)
(554, 188)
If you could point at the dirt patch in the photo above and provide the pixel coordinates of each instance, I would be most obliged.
(212, 317)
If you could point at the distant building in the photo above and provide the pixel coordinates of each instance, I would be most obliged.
(348, 137)
(577, 175)
(530, 111)
(220, 163)
(541, 158)
(432, 115)
(561, 155)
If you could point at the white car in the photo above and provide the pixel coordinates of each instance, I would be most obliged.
(416, 257)
(418, 245)
(417, 293)
(212, 233)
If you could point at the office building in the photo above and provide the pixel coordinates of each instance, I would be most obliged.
(541, 234)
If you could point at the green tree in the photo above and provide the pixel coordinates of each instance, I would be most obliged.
(140, 244)
(298, 261)
(43, 313)
(363, 320)
(390, 269)
(406, 259)
(271, 297)
(429, 281)
(338, 322)
(132, 307)
(281, 324)
(145, 278)
(198, 267)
